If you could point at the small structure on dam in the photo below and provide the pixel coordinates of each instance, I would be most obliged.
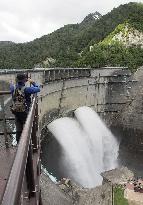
(115, 94)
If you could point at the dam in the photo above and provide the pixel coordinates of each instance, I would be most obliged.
(114, 93)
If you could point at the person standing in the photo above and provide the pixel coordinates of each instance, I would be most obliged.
(21, 100)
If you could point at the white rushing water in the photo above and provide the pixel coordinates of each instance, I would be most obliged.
(105, 146)
(88, 147)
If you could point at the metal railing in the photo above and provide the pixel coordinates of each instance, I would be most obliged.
(23, 182)
(3, 117)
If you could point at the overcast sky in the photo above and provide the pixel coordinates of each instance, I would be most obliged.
(25, 20)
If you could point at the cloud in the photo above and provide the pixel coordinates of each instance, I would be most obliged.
(15, 32)
(25, 20)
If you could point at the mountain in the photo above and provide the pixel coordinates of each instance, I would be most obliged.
(69, 45)
(122, 47)
(91, 18)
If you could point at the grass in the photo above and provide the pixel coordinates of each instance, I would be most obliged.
(119, 196)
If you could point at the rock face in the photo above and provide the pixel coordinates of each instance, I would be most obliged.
(74, 194)
(117, 176)
(91, 18)
(129, 36)
(95, 196)
(126, 35)
(70, 193)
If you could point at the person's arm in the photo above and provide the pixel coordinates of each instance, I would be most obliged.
(33, 83)
(32, 90)
(35, 88)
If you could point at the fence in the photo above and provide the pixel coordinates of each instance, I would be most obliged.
(23, 183)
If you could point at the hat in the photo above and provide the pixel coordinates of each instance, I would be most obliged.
(21, 76)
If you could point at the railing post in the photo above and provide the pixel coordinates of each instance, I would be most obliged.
(112, 194)
(35, 128)
(30, 173)
(4, 121)
(40, 199)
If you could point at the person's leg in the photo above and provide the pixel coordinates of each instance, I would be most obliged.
(19, 127)
(20, 119)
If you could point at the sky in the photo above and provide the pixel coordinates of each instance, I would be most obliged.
(24, 20)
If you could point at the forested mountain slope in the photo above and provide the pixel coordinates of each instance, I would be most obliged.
(122, 47)
(69, 45)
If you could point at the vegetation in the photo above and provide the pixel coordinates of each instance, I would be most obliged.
(112, 55)
(119, 196)
(136, 18)
(69, 45)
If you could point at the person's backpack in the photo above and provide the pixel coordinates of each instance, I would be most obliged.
(19, 101)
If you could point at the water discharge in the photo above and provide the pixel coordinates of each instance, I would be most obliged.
(88, 147)
(103, 144)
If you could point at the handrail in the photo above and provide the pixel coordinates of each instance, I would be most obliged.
(5, 92)
(14, 185)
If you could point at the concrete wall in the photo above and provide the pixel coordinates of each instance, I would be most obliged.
(133, 114)
(114, 93)
(131, 119)
(105, 90)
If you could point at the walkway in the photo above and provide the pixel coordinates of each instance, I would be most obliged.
(20, 165)
(6, 161)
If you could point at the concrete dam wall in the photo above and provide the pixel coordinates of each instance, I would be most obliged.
(105, 90)
(111, 92)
